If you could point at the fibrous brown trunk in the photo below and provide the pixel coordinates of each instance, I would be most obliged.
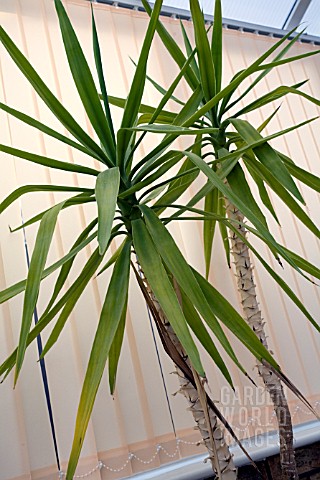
(191, 386)
(252, 312)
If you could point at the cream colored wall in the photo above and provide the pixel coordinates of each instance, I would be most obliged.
(137, 418)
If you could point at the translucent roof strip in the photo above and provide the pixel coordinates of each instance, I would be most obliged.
(260, 12)
(312, 18)
(260, 16)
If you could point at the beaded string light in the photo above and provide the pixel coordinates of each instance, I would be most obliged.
(133, 456)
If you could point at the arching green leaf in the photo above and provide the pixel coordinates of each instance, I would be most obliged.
(107, 189)
(137, 86)
(216, 43)
(79, 286)
(47, 96)
(37, 264)
(267, 155)
(110, 318)
(47, 130)
(85, 84)
(48, 162)
(157, 277)
(39, 188)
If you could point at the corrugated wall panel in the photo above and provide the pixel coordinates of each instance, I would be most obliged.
(138, 417)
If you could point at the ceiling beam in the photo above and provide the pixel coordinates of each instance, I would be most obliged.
(296, 14)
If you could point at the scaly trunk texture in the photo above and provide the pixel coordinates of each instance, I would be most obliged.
(253, 316)
(205, 418)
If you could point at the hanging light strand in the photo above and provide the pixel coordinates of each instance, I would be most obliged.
(160, 448)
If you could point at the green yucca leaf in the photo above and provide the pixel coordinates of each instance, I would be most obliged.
(283, 285)
(277, 93)
(39, 188)
(179, 183)
(137, 86)
(115, 349)
(154, 271)
(229, 89)
(178, 186)
(211, 203)
(262, 140)
(163, 91)
(206, 65)
(216, 44)
(48, 162)
(189, 50)
(166, 96)
(157, 162)
(266, 122)
(153, 194)
(150, 159)
(48, 316)
(226, 222)
(282, 193)
(79, 286)
(66, 267)
(302, 94)
(224, 170)
(37, 264)
(19, 287)
(173, 48)
(158, 87)
(44, 320)
(228, 161)
(305, 177)
(280, 55)
(47, 130)
(304, 264)
(267, 156)
(268, 98)
(167, 182)
(180, 270)
(239, 185)
(107, 189)
(168, 129)
(102, 83)
(77, 200)
(233, 321)
(85, 84)
(198, 328)
(161, 118)
(157, 174)
(227, 192)
(50, 100)
(262, 189)
(111, 314)
(144, 109)
(223, 229)
(288, 60)
(112, 259)
(214, 204)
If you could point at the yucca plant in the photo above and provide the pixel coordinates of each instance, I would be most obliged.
(130, 203)
(265, 166)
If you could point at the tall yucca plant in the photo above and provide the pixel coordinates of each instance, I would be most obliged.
(180, 299)
(262, 163)
(167, 275)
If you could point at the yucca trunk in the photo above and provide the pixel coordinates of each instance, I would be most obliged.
(191, 387)
(252, 313)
